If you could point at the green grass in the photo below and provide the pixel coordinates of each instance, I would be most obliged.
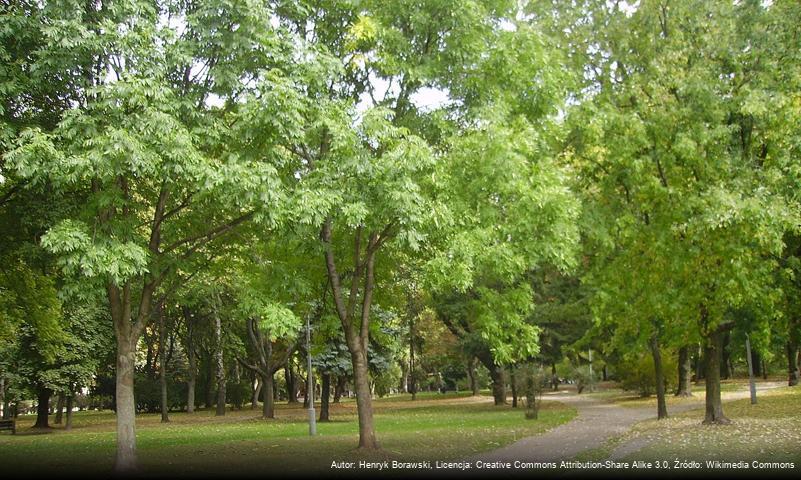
(435, 427)
(765, 432)
(633, 400)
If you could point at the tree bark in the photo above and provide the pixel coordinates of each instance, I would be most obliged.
(256, 393)
(291, 383)
(792, 364)
(70, 397)
(43, 407)
(219, 362)
(712, 357)
(192, 361)
(725, 364)
(268, 399)
(659, 374)
(125, 403)
(324, 397)
(339, 388)
(59, 409)
(473, 375)
(756, 361)
(165, 417)
(498, 384)
(513, 384)
(3, 399)
(685, 373)
(364, 402)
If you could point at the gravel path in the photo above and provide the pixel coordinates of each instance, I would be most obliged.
(596, 422)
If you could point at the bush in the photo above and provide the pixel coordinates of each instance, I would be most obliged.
(637, 373)
(533, 381)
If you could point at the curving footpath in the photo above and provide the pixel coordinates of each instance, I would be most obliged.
(596, 422)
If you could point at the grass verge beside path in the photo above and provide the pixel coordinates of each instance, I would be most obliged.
(766, 432)
(432, 428)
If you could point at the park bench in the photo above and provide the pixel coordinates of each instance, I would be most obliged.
(8, 425)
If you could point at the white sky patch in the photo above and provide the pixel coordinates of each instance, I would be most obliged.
(429, 98)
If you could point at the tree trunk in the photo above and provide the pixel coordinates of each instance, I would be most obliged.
(513, 384)
(685, 373)
(256, 393)
(125, 403)
(712, 357)
(792, 364)
(220, 366)
(473, 374)
(43, 407)
(268, 399)
(605, 373)
(324, 397)
(291, 383)
(59, 409)
(3, 399)
(498, 384)
(725, 371)
(364, 403)
(340, 386)
(554, 378)
(192, 360)
(764, 370)
(699, 367)
(68, 425)
(756, 362)
(165, 417)
(659, 374)
(209, 377)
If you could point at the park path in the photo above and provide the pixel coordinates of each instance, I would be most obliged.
(596, 422)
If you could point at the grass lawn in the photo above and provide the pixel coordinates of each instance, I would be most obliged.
(632, 399)
(434, 427)
(765, 432)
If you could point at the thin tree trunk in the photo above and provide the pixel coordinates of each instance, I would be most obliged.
(3, 399)
(291, 383)
(43, 407)
(513, 384)
(209, 376)
(256, 393)
(219, 361)
(473, 374)
(324, 397)
(554, 378)
(699, 366)
(756, 361)
(165, 417)
(340, 386)
(70, 397)
(59, 409)
(661, 405)
(792, 364)
(725, 370)
(192, 360)
(712, 357)
(764, 369)
(685, 373)
(268, 398)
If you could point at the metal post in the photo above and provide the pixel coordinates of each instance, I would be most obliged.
(750, 370)
(310, 382)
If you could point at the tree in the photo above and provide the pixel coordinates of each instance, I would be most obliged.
(676, 188)
(164, 171)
